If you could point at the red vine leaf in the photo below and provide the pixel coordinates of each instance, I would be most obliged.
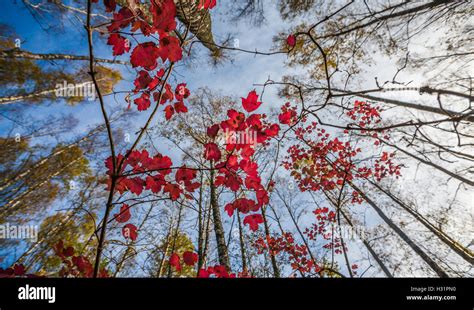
(130, 231)
(253, 221)
(251, 103)
(190, 258)
(124, 214)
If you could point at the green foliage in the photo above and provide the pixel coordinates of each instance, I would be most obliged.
(23, 77)
(31, 182)
(74, 231)
(179, 242)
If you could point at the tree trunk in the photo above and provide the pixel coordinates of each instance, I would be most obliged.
(51, 156)
(218, 228)
(369, 248)
(17, 53)
(453, 244)
(436, 268)
(41, 93)
(409, 105)
(451, 174)
(276, 270)
(198, 21)
(187, 12)
(242, 244)
(201, 220)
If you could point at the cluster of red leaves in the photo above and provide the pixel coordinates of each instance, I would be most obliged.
(237, 169)
(298, 254)
(384, 166)
(310, 165)
(163, 22)
(158, 180)
(16, 271)
(356, 198)
(75, 265)
(158, 170)
(216, 271)
(188, 258)
(288, 114)
(324, 226)
(326, 163)
(191, 258)
(365, 115)
(147, 55)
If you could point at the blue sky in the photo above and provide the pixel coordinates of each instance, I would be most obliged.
(236, 78)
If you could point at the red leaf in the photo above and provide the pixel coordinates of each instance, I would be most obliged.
(186, 176)
(251, 103)
(285, 117)
(69, 251)
(220, 271)
(145, 55)
(170, 49)
(179, 107)
(262, 196)
(272, 130)
(291, 40)
(245, 205)
(19, 270)
(167, 95)
(190, 258)
(181, 92)
(143, 80)
(164, 13)
(154, 83)
(169, 112)
(253, 221)
(229, 208)
(212, 152)
(236, 121)
(203, 273)
(162, 163)
(109, 5)
(83, 265)
(135, 185)
(174, 190)
(155, 183)
(124, 214)
(130, 231)
(143, 102)
(230, 180)
(174, 261)
(212, 131)
(252, 182)
(119, 43)
(254, 121)
(121, 19)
